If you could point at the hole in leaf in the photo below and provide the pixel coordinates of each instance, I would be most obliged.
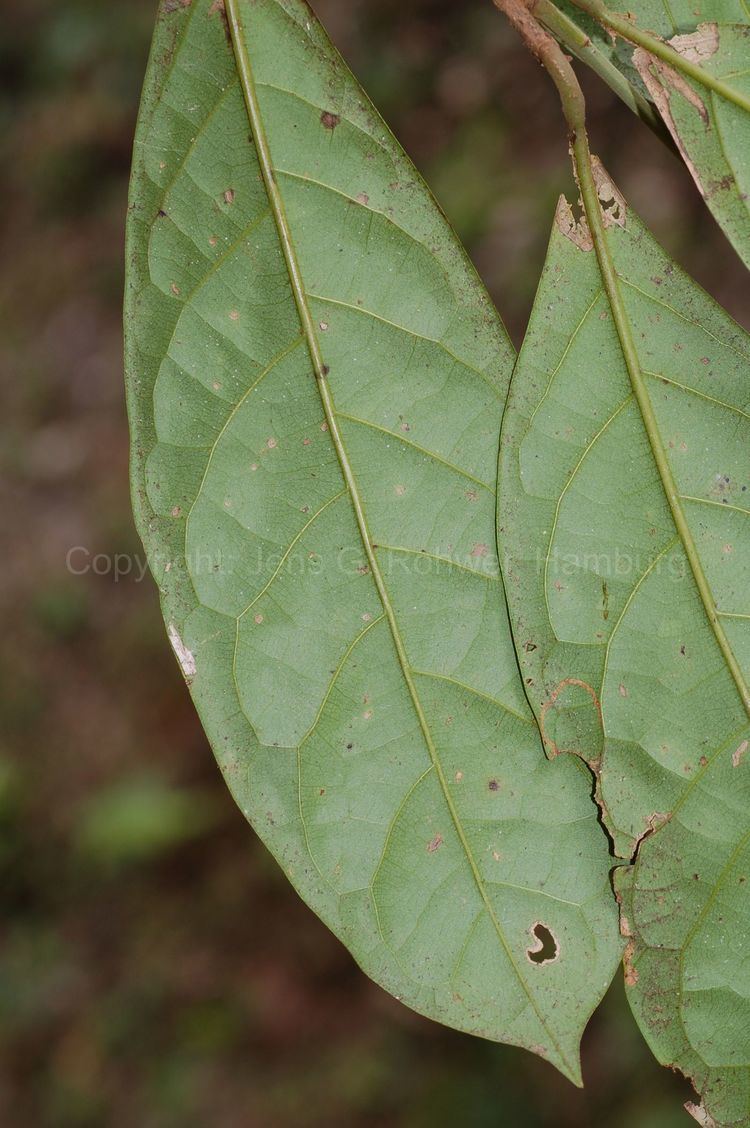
(545, 948)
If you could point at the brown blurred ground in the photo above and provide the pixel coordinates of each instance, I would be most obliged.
(155, 969)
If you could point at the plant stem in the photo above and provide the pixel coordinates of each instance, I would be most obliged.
(567, 32)
(551, 56)
(656, 46)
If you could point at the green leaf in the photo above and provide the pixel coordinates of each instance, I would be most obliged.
(690, 60)
(316, 379)
(624, 488)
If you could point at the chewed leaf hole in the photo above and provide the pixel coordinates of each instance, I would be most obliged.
(545, 948)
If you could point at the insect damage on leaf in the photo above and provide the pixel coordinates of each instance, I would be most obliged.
(698, 45)
(614, 211)
(545, 948)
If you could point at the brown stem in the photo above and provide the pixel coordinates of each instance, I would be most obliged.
(549, 53)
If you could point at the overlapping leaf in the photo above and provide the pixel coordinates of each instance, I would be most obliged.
(702, 91)
(316, 380)
(624, 516)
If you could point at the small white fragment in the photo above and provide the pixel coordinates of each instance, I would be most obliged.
(183, 655)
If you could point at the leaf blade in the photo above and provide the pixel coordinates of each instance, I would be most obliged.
(290, 487)
(617, 643)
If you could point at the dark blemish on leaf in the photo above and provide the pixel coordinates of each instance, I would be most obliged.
(605, 600)
(545, 948)
(162, 214)
(682, 650)
(349, 746)
(529, 646)
(325, 370)
(434, 844)
(229, 196)
(329, 120)
(493, 785)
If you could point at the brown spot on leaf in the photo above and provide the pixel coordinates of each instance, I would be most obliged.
(631, 972)
(738, 753)
(329, 120)
(434, 844)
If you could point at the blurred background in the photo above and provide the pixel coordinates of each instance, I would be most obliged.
(155, 968)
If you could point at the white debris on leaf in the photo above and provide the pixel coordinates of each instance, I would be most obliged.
(184, 656)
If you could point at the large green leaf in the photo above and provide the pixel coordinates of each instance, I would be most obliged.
(625, 527)
(316, 380)
(691, 58)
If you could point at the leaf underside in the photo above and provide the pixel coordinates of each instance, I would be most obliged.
(621, 659)
(711, 130)
(316, 380)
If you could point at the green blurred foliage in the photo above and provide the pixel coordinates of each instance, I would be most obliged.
(155, 967)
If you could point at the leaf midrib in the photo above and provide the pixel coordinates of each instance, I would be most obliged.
(295, 277)
(611, 279)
